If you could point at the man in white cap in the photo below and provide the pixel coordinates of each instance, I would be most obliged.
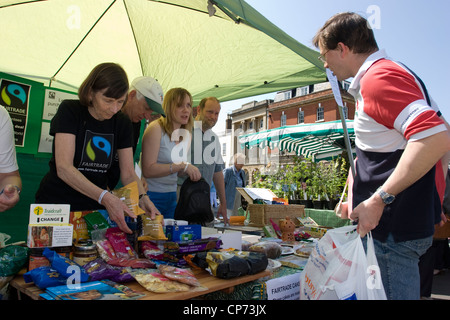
(144, 101)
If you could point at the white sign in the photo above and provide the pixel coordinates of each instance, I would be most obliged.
(284, 288)
(52, 100)
(335, 87)
(49, 213)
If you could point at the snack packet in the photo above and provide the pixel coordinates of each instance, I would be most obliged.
(151, 229)
(95, 221)
(181, 275)
(151, 250)
(61, 265)
(129, 194)
(105, 250)
(120, 243)
(44, 277)
(156, 282)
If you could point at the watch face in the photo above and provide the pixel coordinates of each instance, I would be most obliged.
(389, 199)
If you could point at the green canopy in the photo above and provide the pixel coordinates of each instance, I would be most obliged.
(221, 48)
(319, 141)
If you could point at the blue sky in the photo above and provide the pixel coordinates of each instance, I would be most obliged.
(415, 32)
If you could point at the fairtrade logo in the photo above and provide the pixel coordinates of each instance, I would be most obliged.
(14, 90)
(38, 210)
(99, 143)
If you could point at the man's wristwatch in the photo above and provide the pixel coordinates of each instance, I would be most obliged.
(386, 197)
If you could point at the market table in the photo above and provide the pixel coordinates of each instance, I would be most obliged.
(206, 280)
(243, 228)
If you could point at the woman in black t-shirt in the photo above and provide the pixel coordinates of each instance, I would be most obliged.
(87, 134)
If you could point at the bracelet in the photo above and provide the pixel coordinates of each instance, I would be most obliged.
(185, 168)
(100, 198)
(142, 195)
(17, 188)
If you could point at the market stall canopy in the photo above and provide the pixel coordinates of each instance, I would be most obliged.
(319, 141)
(221, 48)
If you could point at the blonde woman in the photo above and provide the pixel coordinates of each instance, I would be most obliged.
(165, 147)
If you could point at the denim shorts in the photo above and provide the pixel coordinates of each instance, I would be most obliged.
(399, 266)
(165, 202)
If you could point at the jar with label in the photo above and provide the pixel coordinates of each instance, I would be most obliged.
(84, 251)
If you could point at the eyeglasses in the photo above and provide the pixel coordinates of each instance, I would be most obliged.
(322, 57)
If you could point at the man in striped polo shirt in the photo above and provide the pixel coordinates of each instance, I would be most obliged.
(401, 140)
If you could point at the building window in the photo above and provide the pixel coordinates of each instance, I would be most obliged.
(303, 91)
(283, 119)
(320, 115)
(284, 95)
(345, 85)
(300, 116)
(261, 123)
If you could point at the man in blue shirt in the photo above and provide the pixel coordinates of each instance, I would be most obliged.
(234, 178)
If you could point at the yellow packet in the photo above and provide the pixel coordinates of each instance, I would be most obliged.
(129, 194)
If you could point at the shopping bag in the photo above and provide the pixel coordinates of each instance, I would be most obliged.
(339, 269)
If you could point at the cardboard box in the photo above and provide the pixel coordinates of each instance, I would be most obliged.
(184, 233)
(261, 214)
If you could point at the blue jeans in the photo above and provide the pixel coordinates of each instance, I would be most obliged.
(165, 202)
(399, 266)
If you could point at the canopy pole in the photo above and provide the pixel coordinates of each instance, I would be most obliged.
(337, 96)
(347, 141)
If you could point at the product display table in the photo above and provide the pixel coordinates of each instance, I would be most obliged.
(208, 281)
(244, 229)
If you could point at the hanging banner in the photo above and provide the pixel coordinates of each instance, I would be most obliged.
(14, 96)
(52, 100)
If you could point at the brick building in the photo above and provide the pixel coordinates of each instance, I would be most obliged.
(310, 104)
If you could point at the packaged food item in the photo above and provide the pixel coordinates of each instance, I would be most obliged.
(156, 282)
(151, 250)
(129, 194)
(62, 264)
(231, 264)
(184, 232)
(175, 252)
(271, 249)
(84, 251)
(80, 231)
(151, 229)
(95, 221)
(120, 243)
(105, 250)
(181, 275)
(37, 259)
(304, 250)
(237, 220)
(12, 259)
(45, 277)
(98, 270)
(133, 263)
(293, 261)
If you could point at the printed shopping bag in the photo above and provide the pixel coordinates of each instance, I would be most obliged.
(339, 269)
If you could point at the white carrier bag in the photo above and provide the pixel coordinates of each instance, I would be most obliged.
(339, 269)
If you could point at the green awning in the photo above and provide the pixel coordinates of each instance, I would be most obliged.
(319, 141)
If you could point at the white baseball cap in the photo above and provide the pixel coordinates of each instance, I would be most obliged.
(152, 92)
